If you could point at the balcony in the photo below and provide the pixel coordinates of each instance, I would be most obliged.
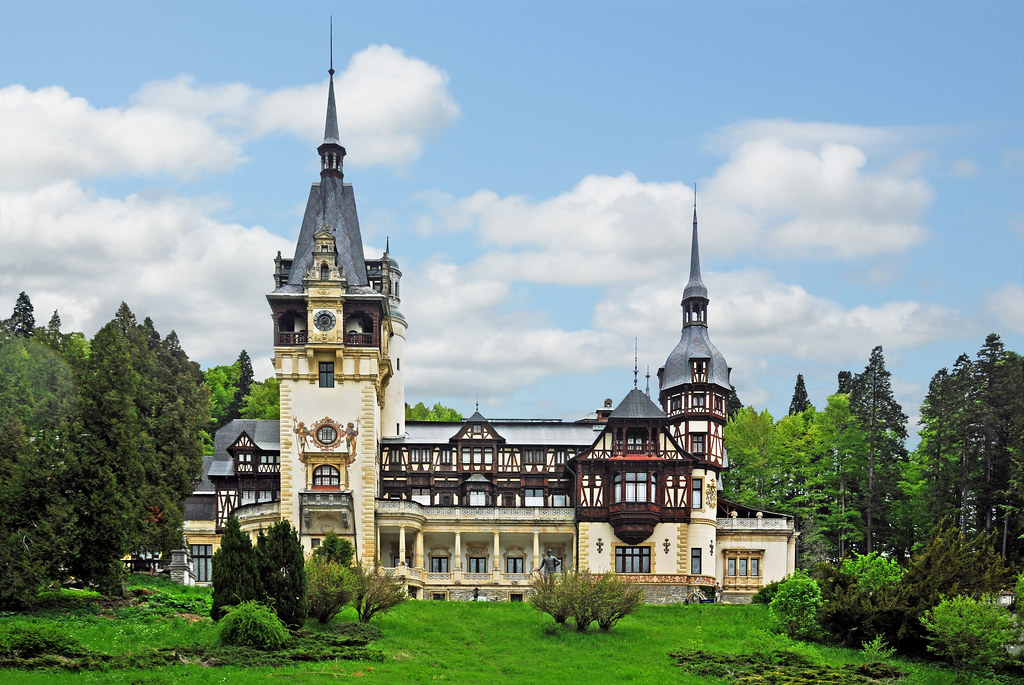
(359, 339)
(634, 522)
(482, 514)
(291, 338)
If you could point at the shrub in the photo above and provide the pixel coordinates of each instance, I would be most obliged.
(282, 567)
(794, 611)
(327, 588)
(333, 548)
(585, 597)
(24, 640)
(877, 650)
(235, 576)
(767, 593)
(251, 624)
(375, 591)
(972, 633)
(615, 598)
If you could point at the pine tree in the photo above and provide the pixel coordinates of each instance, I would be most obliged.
(283, 572)
(23, 321)
(799, 403)
(235, 575)
(884, 423)
(732, 403)
(845, 383)
(245, 381)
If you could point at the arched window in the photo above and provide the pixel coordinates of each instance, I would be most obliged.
(326, 476)
(324, 272)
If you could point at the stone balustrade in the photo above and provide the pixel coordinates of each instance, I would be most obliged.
(487, 514)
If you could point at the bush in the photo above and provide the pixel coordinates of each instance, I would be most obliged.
(877, 650)
(585, 597)
(333, 548)
(327, 588)
(972, 633)
(25, 640)
(251, 624)
(767, 593)
(375, 591)
(794, 611)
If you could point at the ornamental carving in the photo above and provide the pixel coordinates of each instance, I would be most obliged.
(711, 493)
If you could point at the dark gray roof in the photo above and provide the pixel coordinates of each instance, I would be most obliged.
(201, 508)
(694, 344)
(331, 128)
(539, 433)
(331, 203)
(266, 433)
(637, 405)
(695, 287)
(205, 486)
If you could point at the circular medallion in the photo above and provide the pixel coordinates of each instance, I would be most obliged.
(327, 435)
(325, 320)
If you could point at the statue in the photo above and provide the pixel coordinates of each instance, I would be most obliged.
(351, 433)
(549, 564)
(299, 428)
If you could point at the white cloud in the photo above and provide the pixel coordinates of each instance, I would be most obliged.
(83, 255)
(1006, 306)
(389, 104)
(964, 168)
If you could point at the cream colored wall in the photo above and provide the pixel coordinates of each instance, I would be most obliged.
(779, 552)
(393, 412)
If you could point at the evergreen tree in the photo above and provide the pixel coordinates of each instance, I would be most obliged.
(845, 385)
(236, 573)
(840, 444)
(283, 572)
(23, 321)
(884, 424)
(799, 403)
(732, 403)
(244, 385)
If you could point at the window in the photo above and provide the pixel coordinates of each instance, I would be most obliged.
(267, 495)
(395, 457)
(202, 562)
(314, 543)
(698, 443)
(698, 401)
(477, 429)
(533, 497)
(408, 561)
(419, 456)
(439, 564)
(478, 564)
(632, 559)
(514, 565)
(446, 455)
(697, 493)
(636, 441)
(719, 404)
(675, 403)
(515, 597)
(465, 455)
(477, 498)
(327, 435)
(421, 495)
(326, 476)
(488, 455)
(755, 567)
(478, 455)
(743, 567)
(245, 458)
(559, 456)
(636, 487)
(324, 271)
(730, 567)
(326, 374)
(439, 596)
(272, 459)
(695, 559)
(248, 496)
(533, 456)
(559, 500)
(508, 500)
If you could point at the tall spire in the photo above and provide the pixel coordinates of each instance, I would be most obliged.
(695, 294)
(332, 153)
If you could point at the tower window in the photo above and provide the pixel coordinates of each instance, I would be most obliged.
(326, 374)
(697, 492)
(324, 272)
(698, 443)
(326, 476)
(695, 559)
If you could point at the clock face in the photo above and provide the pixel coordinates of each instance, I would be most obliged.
(324, 320)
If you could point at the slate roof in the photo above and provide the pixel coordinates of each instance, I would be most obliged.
(695, 343)
(637, 405)
(695, 287)
(331, 202)
(514, 432)
(266, 433)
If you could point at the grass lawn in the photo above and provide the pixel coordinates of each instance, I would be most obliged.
(430, 642)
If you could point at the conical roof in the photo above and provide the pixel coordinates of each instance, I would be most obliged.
(695, 287)
(331, 127)
(637, 405)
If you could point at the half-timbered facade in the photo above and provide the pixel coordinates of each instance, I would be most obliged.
(470, 507)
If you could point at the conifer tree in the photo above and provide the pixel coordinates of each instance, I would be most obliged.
(884, 424)
(235, 574)
(799, 403)
(733, 403)
(23, 321)
(283, 572)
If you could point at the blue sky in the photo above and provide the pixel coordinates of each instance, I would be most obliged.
(859, 170)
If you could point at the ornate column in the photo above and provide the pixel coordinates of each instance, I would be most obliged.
(496, 569)
(457, 571)
(417, 560)
(401, 547)
(536, 550)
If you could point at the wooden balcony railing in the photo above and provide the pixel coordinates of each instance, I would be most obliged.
(291, 338)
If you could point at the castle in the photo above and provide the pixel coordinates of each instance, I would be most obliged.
(458, 510)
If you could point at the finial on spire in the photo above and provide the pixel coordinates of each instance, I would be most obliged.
(387, 244)
(648, 380)
(331, 70)
(478, 402)
(636, 366)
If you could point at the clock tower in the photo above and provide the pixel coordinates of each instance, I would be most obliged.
(338, 341)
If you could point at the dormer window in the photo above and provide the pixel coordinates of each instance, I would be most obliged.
(325, 248)
(324, 271)
(700, 370)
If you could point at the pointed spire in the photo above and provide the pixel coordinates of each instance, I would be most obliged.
(331, 127)
(636, 366)
(648, 391)
(332, 154)
(695, 294)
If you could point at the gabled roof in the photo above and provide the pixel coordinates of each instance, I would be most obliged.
(637, 405)
(265, 433)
